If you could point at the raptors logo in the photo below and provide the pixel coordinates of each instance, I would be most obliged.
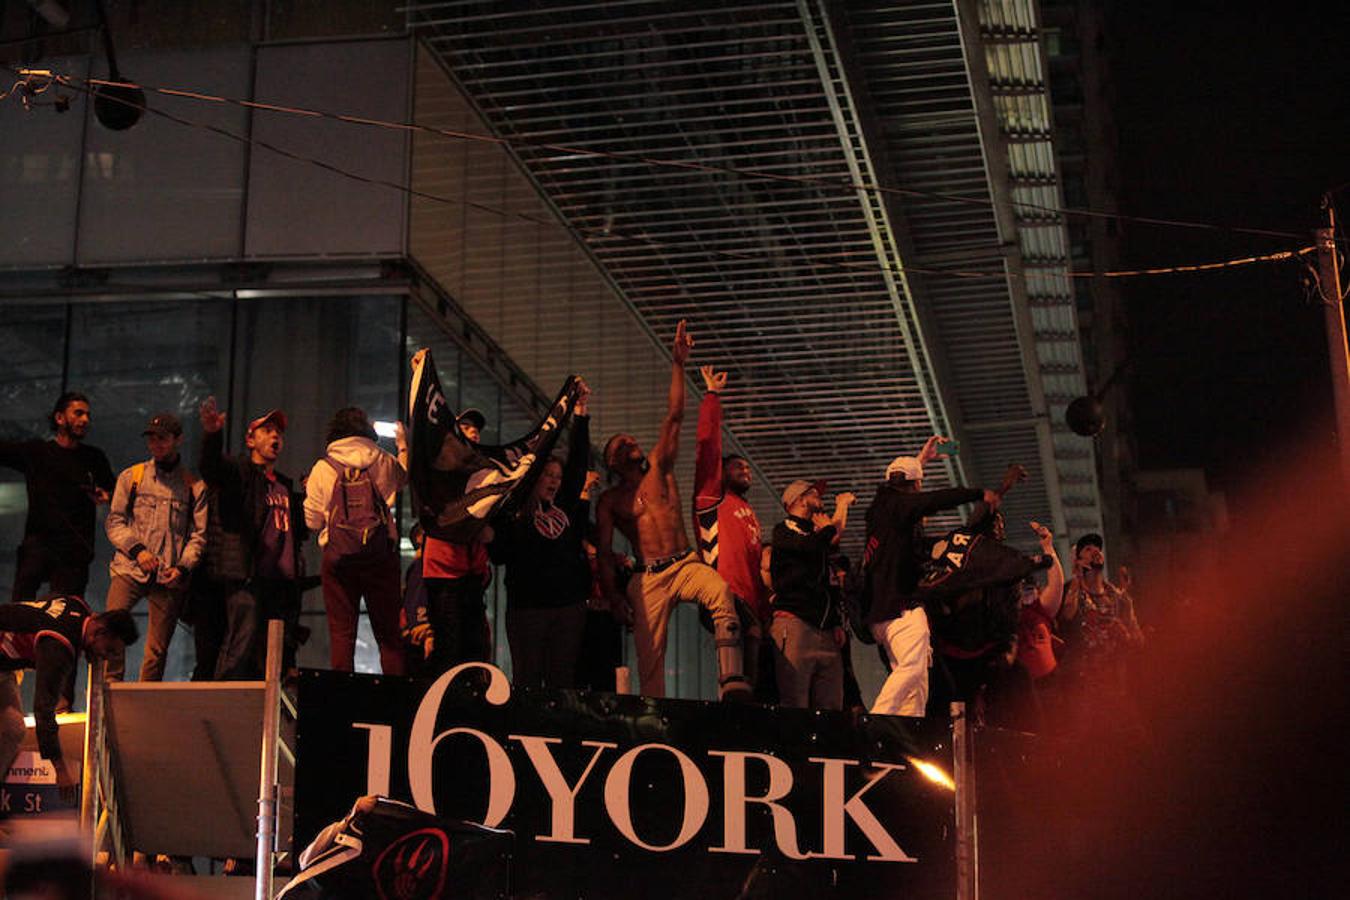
(414, 866)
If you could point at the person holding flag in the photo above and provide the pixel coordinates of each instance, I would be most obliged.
(458, 484)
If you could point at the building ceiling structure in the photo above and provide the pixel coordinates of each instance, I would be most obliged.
(854, 205)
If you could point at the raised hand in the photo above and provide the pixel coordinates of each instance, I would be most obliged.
(684, 342)
(212, 418)
(1045, 537)
(1016, 472)
(845, 499)
(583, 397)
(929, 451)
(713, 381)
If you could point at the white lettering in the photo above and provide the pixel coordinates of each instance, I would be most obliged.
(562, 796)
(617, 794)
(734, 802)
(422, 745)
(835, 809)
(378, 754)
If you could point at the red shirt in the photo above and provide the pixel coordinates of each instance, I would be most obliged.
(443, 559)
(725, 526)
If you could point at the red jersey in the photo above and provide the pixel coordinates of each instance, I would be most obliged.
(725, 526)
(444, 559)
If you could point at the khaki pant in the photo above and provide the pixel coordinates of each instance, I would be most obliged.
(166, 605)
(654, 594)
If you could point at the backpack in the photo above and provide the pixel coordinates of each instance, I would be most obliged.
(357, 518)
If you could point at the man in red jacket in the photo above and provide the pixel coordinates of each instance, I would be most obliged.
(727, 531)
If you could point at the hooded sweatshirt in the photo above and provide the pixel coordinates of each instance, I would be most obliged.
(354, 452)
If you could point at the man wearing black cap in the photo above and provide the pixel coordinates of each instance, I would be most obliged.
(262, 517)
(471, 423)
(66, 479)
(157, 526)
(807, 624)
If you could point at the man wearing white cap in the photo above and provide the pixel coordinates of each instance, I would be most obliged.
(891, 573)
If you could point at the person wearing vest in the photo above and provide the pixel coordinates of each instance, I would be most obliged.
(157, 526)
(47, 636)
(262, 520)
(348, 495)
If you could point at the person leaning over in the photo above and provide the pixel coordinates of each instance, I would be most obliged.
(47, 636)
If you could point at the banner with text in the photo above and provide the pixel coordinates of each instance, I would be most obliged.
(618, 796)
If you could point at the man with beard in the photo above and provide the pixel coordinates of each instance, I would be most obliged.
(66, 479)
(645, 507)
(261, 516)
(807, 625)
(728, 533)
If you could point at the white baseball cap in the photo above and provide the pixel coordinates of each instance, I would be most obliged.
(908, 466)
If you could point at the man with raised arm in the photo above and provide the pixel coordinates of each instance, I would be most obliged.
(727, 531)
(891, 574)
(645, 507)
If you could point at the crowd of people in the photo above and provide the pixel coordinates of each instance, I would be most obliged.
(221, 549)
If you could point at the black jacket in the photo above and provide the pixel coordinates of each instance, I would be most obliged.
(801, 581)
(46, 635)
(545, 569)
(240, 503)
(891, 556)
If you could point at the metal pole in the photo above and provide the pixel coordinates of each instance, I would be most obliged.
(1334, 310)
(963, 773)
(93, 752)
(267, 779)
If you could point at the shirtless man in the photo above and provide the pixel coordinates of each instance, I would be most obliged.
(645, 506)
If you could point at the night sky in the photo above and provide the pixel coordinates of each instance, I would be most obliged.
(1236, 118)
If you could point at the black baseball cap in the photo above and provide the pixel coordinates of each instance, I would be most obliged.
(1091, 539)
(163, 425)
(474, 416)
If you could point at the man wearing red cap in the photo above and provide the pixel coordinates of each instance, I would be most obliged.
(262, 516)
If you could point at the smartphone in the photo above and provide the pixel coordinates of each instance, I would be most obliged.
(951, 448)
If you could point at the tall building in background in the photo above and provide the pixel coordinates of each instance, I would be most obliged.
(1082, 97)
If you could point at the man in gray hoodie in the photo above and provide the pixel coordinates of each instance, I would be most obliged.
(348, 496)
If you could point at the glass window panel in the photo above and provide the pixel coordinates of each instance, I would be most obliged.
(40, 173)
(310, 356)
(134, 359)
(30, 380)
(162, 190)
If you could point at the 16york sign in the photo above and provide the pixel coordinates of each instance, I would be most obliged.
(595, 785)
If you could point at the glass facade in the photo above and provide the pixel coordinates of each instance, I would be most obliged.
(306, 355)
